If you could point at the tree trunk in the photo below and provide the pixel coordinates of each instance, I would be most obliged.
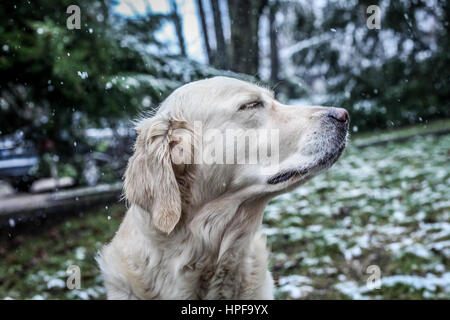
(244, 20)
(274, 58)
(178, 26)
(221, 56)
(202, 18)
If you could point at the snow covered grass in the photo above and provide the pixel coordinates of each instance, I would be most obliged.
(34, 262)
(382, 205)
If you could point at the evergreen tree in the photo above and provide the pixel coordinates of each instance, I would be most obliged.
(396, 75)
(56, 82)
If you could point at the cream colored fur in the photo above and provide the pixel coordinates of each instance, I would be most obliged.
(192, 231)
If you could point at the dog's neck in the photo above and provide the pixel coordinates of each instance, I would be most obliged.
(226, 223)
(210, 239)
(216, 227)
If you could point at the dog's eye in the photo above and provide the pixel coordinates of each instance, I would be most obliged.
(252, 105)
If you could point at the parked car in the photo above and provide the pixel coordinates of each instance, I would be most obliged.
(17, 159)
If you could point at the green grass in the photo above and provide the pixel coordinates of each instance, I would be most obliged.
(33, 263)
(378, 135)
(382, 205)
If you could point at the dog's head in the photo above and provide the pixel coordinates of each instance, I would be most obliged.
(223, 137)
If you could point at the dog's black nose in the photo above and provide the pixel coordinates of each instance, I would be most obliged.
(339, 114)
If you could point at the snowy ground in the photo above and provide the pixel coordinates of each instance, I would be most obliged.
(386, 206)
(383, 206)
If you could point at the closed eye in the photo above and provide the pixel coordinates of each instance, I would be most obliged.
(252, 105)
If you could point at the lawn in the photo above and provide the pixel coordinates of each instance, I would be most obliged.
(384, 206)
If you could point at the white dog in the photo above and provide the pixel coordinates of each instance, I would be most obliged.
(192, 228)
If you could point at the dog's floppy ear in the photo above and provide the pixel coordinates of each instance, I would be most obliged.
(150, 180)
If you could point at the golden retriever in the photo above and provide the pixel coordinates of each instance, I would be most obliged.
(192, 230)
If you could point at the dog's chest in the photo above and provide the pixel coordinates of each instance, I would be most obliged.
(209, 280)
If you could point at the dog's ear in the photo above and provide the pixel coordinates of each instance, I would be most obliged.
(150, 180)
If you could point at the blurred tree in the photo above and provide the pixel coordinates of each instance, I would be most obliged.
(178, 27)
(273, 36)
(55, 83)
(50, 73)
(221, 53)
(396, 75)
(244, 24)
(202, 18)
